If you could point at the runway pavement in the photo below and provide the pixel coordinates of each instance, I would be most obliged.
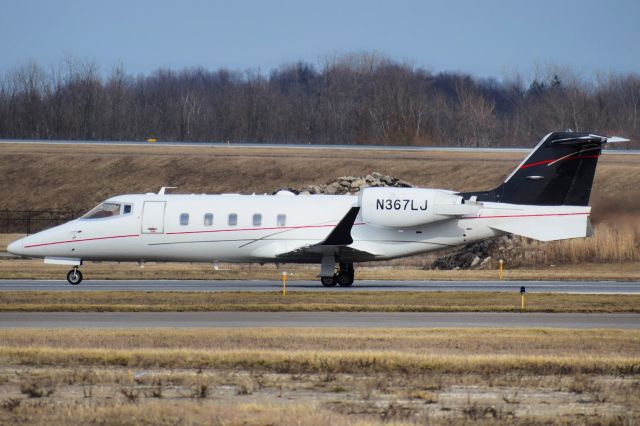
(313, 319)
(595, 287)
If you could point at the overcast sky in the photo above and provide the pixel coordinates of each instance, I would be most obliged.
(485, 38)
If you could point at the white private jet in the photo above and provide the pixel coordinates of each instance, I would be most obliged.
(545, 198)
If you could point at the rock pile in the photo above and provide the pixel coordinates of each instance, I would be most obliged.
(351, 185)
(479, 255)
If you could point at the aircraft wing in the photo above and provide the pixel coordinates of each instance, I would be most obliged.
(314, 254)
(336, 243)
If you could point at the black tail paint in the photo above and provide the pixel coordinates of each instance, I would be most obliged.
(559, 171)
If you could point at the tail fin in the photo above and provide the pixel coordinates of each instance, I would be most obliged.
(559, 171)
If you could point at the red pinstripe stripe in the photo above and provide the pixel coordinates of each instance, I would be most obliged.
(81, 240)
(523, 215)
(539, 163)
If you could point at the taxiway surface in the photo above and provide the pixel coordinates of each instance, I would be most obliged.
(591, 287)
(314, 319)
(331, 147)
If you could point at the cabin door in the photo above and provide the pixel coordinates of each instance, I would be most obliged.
(153, 217)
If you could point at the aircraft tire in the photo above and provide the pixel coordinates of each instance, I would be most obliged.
(329, 281)
(74, 277)
(345, 279)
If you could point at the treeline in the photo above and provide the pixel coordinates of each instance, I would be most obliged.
(358, 98)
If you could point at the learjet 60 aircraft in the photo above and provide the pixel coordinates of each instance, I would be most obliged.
(545, 198)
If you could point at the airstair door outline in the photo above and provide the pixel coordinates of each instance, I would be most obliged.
(153, 217)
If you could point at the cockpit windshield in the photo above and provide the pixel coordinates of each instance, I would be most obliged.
(104, 210)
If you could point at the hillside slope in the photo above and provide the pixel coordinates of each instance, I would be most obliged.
(78, 177)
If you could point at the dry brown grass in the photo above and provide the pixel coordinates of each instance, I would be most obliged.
(320, 376)
(5, 239)
(587, 344)
(285, 361)
(615, 241)
(172, 412)
(299, 301)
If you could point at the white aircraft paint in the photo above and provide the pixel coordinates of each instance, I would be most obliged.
(152, 231)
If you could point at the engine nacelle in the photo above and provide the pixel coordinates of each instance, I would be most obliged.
(407, 207)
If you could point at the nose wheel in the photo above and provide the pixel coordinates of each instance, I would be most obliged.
(74, 276)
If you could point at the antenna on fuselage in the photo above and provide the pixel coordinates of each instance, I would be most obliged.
(164, 188)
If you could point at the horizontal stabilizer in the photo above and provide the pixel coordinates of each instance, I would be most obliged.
(616, 139)
(547, 228)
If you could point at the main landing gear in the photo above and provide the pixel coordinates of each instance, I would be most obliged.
(344, 277)
(74, 276)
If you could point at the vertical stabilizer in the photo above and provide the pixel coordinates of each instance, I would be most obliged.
(559, 171)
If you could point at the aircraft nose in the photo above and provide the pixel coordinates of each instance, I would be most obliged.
(16, 247)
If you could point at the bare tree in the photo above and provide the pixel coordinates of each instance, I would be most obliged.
(355, 98)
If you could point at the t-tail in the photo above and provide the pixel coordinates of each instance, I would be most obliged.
(559, 171)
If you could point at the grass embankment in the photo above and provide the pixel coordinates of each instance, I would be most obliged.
(320, 376)
(247, 170)
(35, 180)
(137, 301)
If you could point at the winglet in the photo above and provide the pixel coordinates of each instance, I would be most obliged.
(341, 234)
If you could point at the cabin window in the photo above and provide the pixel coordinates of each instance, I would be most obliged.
(184, 219)
(208, 219)
(233, 219)
(257, 219)
(127, 209)
(282, 220)
(102, 211)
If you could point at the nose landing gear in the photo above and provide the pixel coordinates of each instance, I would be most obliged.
(74, 276)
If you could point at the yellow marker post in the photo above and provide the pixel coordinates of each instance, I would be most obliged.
(284, 283)
(522, 292)
(501, 269)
